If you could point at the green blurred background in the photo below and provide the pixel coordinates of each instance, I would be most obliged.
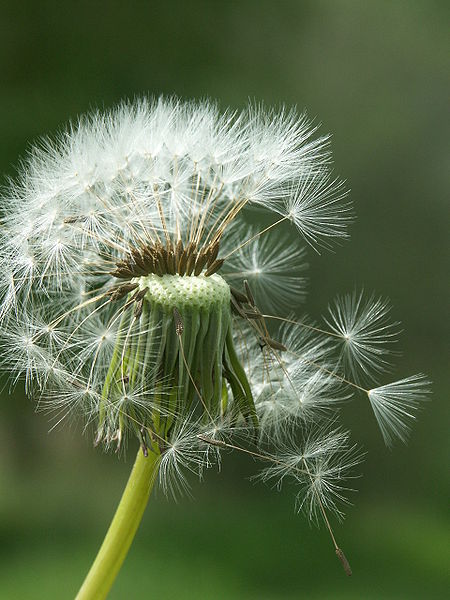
(376, 73)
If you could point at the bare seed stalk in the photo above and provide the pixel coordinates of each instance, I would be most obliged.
(123, 528)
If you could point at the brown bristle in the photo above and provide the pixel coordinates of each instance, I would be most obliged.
(213, 251)
(201, 262)
(214, 267)
(138, 259)
(181, 266)
(163, 260)
(191, 263)
(141, 294)
(122, 273)
(178, 251)
(123, 290)
(168, 259)
(160, 262)
(171, 262)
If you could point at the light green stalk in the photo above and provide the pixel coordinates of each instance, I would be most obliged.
(176, 346)
(122, 529)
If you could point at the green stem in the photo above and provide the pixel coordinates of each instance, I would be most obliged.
(122, 529)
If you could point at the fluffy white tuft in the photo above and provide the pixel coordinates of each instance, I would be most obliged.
(395, 404)
(273, 268)
(365, 332)
(319, 465)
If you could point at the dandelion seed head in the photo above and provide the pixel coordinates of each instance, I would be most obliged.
(133, 293)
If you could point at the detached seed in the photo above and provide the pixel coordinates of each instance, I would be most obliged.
(344, 562)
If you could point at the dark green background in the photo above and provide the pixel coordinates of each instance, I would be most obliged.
(376, 73)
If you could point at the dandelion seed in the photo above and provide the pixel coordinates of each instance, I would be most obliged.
(273, 268)
(319, 209)
(395, 404)
(319, 465)
(366, 333)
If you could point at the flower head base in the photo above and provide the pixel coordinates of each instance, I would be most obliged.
(177, 341)
(133, 291)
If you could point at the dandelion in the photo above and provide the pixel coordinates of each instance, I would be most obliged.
(135, 295)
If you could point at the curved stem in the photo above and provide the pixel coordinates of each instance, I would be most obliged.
(122, 529)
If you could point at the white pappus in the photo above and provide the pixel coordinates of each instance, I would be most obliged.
(133, 292)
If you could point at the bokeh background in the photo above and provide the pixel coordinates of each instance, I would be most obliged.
(376, 74)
